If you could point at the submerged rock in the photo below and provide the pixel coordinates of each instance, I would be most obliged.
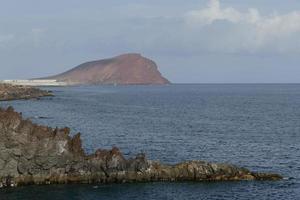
(33, 154)
(10, 92)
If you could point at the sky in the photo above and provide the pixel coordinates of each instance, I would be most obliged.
(192, 41)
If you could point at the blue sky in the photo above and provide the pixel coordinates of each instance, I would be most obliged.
(194, 41)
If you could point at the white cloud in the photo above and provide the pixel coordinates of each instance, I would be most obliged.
(6, 38)
(252, 30)
(213, 12)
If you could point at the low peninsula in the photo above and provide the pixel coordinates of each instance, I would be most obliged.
(34, 154)
(10, 92)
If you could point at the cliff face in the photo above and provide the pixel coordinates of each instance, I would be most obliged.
(123, 69)
(33, 154)
(14, 92)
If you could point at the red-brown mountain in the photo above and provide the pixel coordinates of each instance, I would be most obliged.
(124, 69)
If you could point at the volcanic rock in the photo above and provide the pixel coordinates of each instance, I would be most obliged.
(125, 69)
(33, 154)
(14, 92)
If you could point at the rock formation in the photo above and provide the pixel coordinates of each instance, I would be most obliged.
(13, 92)
(33, 154)
(124, 70)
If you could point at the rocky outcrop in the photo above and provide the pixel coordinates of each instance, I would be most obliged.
(14, 92)
(123, 70)
(33, 154)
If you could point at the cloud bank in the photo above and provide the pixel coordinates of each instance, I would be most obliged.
(247, 30)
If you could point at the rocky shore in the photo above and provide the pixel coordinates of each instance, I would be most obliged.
(33, 154)
(10, 92)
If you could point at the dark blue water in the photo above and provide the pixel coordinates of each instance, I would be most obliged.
(254, 126)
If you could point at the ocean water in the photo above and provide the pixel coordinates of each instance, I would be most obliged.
(251, 125)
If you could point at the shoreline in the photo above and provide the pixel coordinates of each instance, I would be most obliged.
(38, 155)
(10, 92)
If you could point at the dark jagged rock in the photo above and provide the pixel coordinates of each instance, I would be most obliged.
(10, 92)
(33, 154)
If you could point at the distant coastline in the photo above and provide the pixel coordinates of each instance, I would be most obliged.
(9, 92)
(125, 69)
(35, 83)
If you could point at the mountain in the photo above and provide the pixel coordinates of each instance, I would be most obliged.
(125, 69)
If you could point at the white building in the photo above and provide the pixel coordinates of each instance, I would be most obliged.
(45, 82)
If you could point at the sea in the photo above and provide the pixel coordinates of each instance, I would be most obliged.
(256, 126)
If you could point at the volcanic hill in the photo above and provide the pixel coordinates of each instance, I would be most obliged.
(126, 69)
